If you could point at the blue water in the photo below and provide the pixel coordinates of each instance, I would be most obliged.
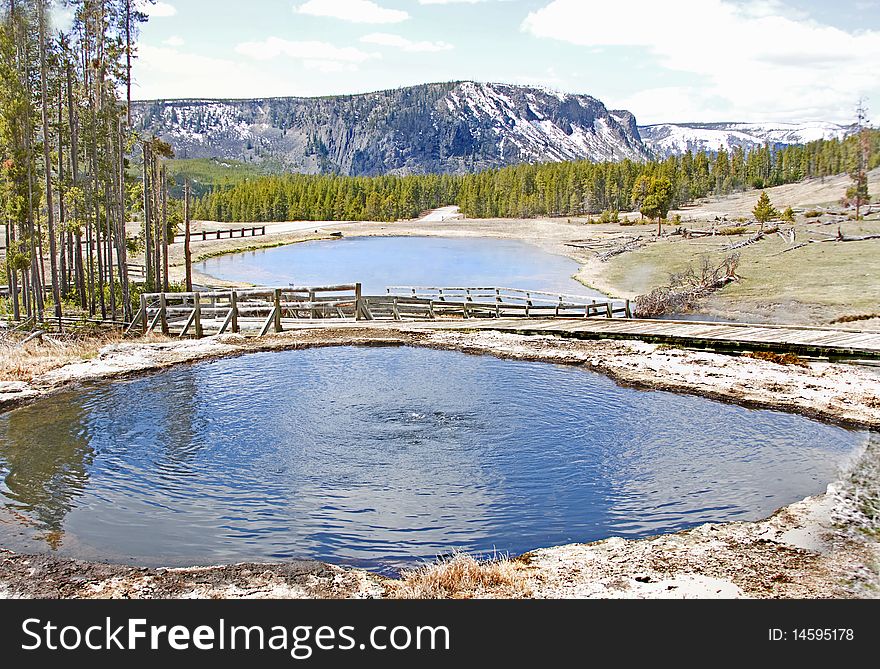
(379, 262)
(384, 456)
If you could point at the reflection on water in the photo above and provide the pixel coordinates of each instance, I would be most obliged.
(380, 456)
(378, 262)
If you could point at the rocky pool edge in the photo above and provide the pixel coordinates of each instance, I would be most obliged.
(823, 546)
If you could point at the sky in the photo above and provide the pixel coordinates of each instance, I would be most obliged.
(666, 61)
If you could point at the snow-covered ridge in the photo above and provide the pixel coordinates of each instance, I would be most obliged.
(453, 127)
(446, 127)
(530, 119)
(667, 139)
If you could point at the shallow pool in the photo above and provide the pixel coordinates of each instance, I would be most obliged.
(378, 262)
(383, 456)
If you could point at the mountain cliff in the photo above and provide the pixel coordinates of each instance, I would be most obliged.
(452, 127)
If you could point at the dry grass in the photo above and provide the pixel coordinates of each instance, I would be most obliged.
(23, 362)
(464, 577)
(737, 230)
(852, 318)
(778, 358)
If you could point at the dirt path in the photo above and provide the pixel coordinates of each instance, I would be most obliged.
(824, 546)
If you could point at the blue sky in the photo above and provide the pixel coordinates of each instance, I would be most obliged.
(678, 60)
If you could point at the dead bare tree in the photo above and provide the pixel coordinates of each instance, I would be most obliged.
(686, 288)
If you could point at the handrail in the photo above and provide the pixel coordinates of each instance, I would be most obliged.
(586, 299)
(230, 309)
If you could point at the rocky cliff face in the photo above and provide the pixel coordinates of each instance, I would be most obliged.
(453, 127)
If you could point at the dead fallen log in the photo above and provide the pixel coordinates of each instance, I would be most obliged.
(689, 233)
(840, 237)
(757, 237)
(38, 334)
(844, 238)
(686, 288)
(618, 250)
(792, 248)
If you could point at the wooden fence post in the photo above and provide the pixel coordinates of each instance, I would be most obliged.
(358, 302)
(233, 303)
(144, 313)
(277, 310)
(163, 313)
(629, 313)
(197, 315)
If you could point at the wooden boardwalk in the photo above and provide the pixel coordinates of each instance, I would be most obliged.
(259, 311)
(823, 342)
(806, 341)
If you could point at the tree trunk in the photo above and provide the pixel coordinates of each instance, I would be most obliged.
(121, 250)
(187, 253)
(73, 120)
(164, 230)
(62, 251)
(157, 215)
(50, 212)
(148, 239)
(128, 59)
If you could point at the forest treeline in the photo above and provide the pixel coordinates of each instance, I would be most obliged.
(524, 191)
(65, 138)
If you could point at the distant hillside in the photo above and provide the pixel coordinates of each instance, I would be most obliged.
(450, 128)
(667, 139)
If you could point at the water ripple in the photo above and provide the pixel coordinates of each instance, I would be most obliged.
(384, 456)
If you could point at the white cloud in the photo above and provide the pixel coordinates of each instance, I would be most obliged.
(451, 2)
(166, 72)
(174, 40)
(159, 10)
(273, 47)
(754, 61)
(356, 11)
(399, 42)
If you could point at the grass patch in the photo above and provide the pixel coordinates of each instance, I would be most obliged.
(778, 358)
(736, 230)
(24, 362)
(464, 577)
(813, 284)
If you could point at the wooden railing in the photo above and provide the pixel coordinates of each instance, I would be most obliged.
(511, 302)
(263, 310)
(136, 272)
(228, 233)
(255, 310)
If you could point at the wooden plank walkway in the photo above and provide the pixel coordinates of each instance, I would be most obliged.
(262, 310)
(821, 342)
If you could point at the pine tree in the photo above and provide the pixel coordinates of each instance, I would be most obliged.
(658, 201)
(64, 135)
(764, 210)
(857, 194)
